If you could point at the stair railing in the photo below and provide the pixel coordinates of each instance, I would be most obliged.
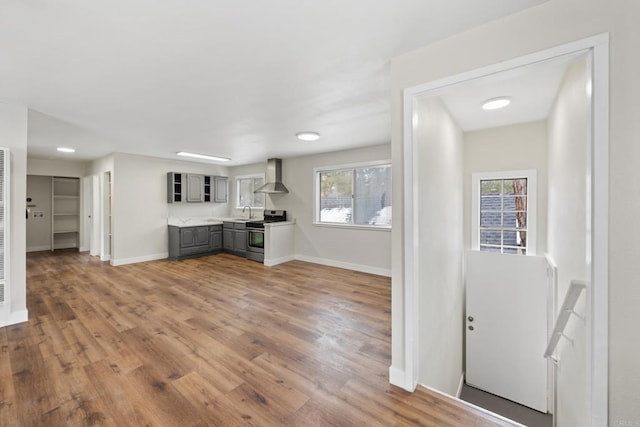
(573, 293)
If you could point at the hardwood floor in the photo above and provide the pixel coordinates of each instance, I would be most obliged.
(211, 341)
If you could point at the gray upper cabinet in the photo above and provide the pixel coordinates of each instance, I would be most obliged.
(207, 188)
(220, 189)
(195, 188)
(175, 187)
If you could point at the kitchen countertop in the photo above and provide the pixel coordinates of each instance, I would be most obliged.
(279, 223)
(204, 221)
(201, 221)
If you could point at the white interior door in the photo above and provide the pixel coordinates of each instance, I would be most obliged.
(506, 326)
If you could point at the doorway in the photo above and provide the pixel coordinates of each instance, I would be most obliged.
(97, 215)
(418, 362)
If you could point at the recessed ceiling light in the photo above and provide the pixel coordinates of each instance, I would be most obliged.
(66, 150)
(203, 156)
(308, 136)
(495, 103)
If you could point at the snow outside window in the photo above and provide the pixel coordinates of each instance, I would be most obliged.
(354, 195)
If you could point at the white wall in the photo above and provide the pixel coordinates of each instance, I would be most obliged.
(439, 142)
(140, 208)
(553, 23)
(518, 147)
(39, 229)
(101, 165)
(568, 144)
(55, 167)
(13, 135)
(356, 249)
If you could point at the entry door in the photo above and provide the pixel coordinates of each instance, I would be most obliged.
(506, 326)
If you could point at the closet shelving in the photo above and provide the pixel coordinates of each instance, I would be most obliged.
(65, 220)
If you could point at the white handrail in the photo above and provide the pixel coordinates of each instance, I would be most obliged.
(573, 293)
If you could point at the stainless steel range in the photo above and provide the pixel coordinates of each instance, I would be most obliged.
(255, 233)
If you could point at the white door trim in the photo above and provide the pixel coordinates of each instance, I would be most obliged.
(94, 241)
(105, 216)
(598, 339)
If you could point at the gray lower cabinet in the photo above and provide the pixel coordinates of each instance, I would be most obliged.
(240, 242)
(227, 239)
(235, 238)
(187, 242)
(215, 240)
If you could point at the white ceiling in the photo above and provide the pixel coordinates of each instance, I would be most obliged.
(532, 90)
(233, 79)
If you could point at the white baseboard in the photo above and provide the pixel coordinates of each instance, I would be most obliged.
(270, 263)
(398, 378)
(346, 265)
(7, 319)
(38, 248)
(276, 261)
(153, 257)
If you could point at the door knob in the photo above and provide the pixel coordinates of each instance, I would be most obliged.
(470, 328)
(470, 318)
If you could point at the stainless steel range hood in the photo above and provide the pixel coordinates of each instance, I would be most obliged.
(274, 183)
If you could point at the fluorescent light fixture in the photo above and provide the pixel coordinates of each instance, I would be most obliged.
(66, 150)
(203, 156)
(495, 103)
(308, 136)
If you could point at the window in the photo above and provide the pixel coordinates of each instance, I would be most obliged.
(354, 195)
(504, 212)
(245, 186)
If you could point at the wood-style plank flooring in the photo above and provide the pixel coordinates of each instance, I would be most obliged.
(214, 341)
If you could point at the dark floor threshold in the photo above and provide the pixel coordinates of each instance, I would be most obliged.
(506, 408)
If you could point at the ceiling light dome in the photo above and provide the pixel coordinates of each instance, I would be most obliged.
(495, 103)
(308, 136)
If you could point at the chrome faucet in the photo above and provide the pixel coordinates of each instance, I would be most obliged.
(250, 214)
